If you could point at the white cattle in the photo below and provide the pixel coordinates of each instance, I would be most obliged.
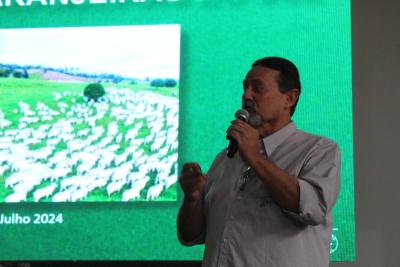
(114, 147)
(28, 112)
(3, 169)
(112, 129)
(62, 105)
(171, 180)
(62, 196)
(149, 138)
(28, 120)
(4, 123)
(83, 132)
(118, 139)
(122, 172)
(115, 186)
(16, 197)
(53, 141)
(6, 139)
(105, 173)
(59, 172)
(78, 194)
(25, 186)
(163, 151)
(106, 158)
(54, 132)
(131, 134)
(105, 142)
(74, 145)
(4, 147)
(85, 166)
(43, 153)
(11, 133)
(119, 159)
(154, 191)
(14, 179)
(44, 192)
(174, 145)
(66, 137)
(70, 182)
(134, 191)
(32, 141)
(21, 125)
(44, 128)
(57, 96)
(97, 183)
(37, 134)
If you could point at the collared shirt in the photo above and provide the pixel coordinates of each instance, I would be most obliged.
(246, 227)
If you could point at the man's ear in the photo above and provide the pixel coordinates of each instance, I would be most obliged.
(291, 97)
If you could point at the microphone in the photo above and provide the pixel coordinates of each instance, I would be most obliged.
(243, 115)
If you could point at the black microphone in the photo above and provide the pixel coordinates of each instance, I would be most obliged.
(243, 115)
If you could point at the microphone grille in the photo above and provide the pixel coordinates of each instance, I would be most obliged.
(243, 115)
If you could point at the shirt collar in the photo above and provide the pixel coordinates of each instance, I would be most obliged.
(271, 142)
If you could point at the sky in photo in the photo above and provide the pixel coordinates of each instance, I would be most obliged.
(130, 51)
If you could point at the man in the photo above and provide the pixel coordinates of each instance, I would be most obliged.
(269, 205)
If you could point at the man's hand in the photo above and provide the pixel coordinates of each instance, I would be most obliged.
(247, 138)
(192, 181)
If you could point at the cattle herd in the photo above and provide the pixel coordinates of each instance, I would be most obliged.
(122, 147)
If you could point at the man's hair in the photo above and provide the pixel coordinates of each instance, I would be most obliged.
(288, 78)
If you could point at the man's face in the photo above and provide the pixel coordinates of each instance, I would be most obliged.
(262, 91)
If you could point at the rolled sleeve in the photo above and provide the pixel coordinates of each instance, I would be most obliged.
(319, 182)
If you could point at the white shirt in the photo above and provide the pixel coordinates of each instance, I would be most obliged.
(244, 225)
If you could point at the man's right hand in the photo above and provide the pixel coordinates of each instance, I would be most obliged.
(192, 181)
(191, 221)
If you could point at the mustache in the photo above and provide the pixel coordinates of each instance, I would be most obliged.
(255, 119)
(249, 105)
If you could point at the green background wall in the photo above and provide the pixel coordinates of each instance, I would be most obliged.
(220, 40)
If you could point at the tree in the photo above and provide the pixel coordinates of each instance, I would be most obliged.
(20, 73)
(157, 83)
(4, 72)
(170, 82)
(94, 91)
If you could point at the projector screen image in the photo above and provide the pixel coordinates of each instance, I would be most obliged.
(102, 128)
(101, 103)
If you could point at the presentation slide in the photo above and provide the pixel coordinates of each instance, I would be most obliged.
(102, 101)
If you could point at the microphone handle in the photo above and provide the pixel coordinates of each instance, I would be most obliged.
(232, 148)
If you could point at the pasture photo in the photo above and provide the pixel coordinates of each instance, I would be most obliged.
(98, 125)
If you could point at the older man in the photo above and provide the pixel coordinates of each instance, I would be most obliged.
(270, 204)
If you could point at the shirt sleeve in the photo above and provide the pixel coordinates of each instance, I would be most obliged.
(319, 182)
